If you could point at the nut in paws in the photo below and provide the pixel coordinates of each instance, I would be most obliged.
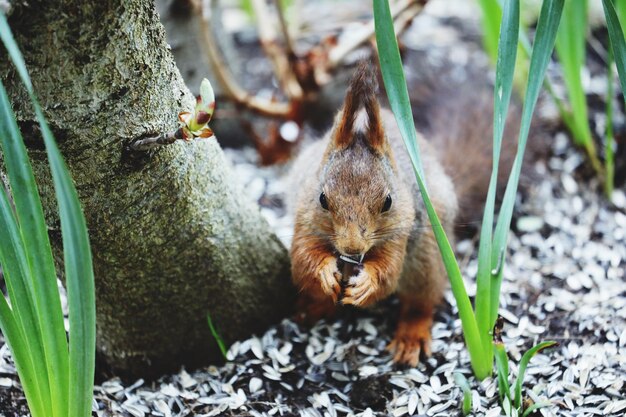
(360, 290)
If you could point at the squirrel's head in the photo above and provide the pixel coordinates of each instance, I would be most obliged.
(360, 200)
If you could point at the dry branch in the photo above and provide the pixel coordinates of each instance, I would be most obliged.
(231, 87)
(339, 52)
(289, 45)
(277, 55)
(156, 141)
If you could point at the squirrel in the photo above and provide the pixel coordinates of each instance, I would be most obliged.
(361, 230)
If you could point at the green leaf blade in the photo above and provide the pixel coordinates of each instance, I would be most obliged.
(609, 157)
(14, 52)
(547, 26)
(505, 69)
(32, 306)
(522, 368)
(618, 44)
(395, 85)
(77, 361)
(535, 407)
(15, 270)
(570, 47)
(19, 327)
(462, 383)
(502, 369)
(24, 362)
(491, 17)
(79, 279)
(217, 337)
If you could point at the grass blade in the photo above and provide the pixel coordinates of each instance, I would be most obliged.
(217, 337)
(23, 361)
(492, 14)
(620, 9)
(26, 350)
(491, 17)
(505, 68)
(542, 49)
(522, 368)
(395, 85)
(78, 364)
(502, 370)
(461, 381)
(79, 279)
(609, 157)
(566, 116)
(535, 407)
(616, 36)
(16, 269)
(39, 254)
(570, 47)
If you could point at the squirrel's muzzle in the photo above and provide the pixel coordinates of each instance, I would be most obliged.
(351, 241)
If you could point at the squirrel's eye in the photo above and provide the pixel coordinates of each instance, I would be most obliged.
(387, 204)
(323, 201)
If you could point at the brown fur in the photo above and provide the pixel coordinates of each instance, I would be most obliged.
(456, 115)
(361, 95)
(412, 335)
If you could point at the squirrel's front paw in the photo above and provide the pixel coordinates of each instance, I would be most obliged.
(361, 290)
(330, 278)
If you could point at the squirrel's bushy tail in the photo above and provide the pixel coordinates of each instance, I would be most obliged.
(456, 114)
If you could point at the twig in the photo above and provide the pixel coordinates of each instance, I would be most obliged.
(343, 48)
(289, 46)
(403, 13)
(225, 44)
(156, 141)
(276, 54)
(228, 82)
(405, 18)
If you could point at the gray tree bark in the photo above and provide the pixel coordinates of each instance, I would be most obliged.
(172, 235)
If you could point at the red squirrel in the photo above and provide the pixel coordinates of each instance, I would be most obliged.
(357, 204)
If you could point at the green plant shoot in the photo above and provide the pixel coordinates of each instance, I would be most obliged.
(462, 383)
(514, 405)
(609, 157)
(395, 85)
(217, 337)
(491, 18)
(616, 37)
(477, 324)
(570, 46)
(57, 376)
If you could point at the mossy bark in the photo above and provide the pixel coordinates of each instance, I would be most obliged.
(173, 237)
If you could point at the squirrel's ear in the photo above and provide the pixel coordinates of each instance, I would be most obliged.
(361, 95)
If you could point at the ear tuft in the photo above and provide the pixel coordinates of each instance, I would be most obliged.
(361, 95)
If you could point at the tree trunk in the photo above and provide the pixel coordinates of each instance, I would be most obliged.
(172, 235)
